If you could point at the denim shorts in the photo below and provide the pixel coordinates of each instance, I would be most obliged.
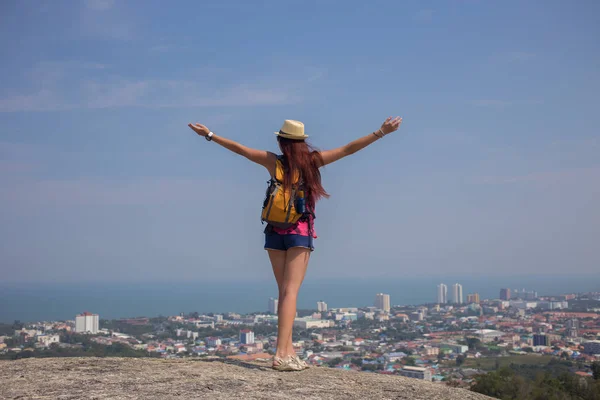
(275, 241)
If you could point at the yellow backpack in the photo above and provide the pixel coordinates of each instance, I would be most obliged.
(283, 208)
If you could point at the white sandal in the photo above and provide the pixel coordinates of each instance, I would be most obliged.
(286, 364)
(300, 362)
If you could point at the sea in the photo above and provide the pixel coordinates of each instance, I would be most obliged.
(30, 302)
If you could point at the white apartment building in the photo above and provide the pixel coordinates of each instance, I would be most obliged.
(382, 301)
(273, 305)
(321, 306)
(307, 323)
(457, 293)
(87, 323)
(416, 372)
(442, 293)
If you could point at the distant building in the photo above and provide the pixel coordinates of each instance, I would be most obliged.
(457, 293)
(307, 323)
(488, 335)
(321, 306)
(523, 304)
(455, 348)
(442, 293)
(591, 347)
(246, 336)
(366, 314)
(524, 294)
(382, 301)
(213, 341)
(273, 305)
(416, 372)
(87, 323)
(552, 305)
(47, 340)
(504, 294)
(473, 298)
(573, 327)
(541, 340)
(416, 316)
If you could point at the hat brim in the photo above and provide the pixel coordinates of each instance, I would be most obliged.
(284, 135)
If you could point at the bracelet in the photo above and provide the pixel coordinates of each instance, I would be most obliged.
(382, 132)
(376, 135)
(379, 136)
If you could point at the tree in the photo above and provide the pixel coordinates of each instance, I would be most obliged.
(335, 361)
(460, 360)
(18, 325)
(596, 370)
(357, 361)
(410, 361)
(473, 343)
(528, 350)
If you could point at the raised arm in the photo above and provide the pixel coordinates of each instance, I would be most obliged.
(388, 126)
(262, 157)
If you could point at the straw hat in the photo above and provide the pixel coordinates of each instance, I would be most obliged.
(292, 130)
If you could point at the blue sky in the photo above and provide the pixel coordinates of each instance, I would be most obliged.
(495, 170)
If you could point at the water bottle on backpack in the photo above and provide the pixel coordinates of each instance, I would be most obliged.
(300, 202)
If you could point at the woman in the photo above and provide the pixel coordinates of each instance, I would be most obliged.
(289, 250)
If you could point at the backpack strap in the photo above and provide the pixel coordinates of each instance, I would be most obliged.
(279, 169)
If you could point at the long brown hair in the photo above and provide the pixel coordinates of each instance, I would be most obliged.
(299, 156)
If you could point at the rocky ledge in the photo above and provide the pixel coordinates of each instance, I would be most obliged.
(133, 378)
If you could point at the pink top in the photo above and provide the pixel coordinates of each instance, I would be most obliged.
(301, 228)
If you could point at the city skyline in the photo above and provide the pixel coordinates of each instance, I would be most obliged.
(35, 302)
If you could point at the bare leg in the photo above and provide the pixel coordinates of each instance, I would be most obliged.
(296, 263)
(277, 258)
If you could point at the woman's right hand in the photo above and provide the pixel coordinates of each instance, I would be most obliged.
(390, 125)
(199, 129)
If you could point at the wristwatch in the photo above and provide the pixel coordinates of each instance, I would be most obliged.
(209, 136)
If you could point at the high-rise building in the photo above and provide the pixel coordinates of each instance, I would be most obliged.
(273, 305)
(504, 294)
(87, 323)
(382, 301)
(473, 298)
(321, 306)
(457, 293)
(541, 340)
(246, 336)
(442, 293)
(573, 327)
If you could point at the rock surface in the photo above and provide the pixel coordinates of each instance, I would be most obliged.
(133, 378)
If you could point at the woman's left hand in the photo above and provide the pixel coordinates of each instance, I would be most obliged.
(199, 129)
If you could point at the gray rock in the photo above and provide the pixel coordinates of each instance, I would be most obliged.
(144, 378)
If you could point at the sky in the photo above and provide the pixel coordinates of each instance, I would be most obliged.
(495, 170)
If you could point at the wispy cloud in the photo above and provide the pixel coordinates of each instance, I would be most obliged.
(100, 5)
(503, 103)
(519, 56)
(164, 48)
(97, 192)
(590, 175)
(101, 18)
(491, 102)
(512, 56)
(424, 15)
(66, 86)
